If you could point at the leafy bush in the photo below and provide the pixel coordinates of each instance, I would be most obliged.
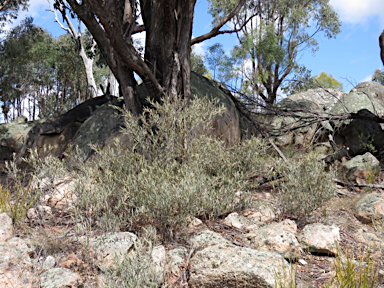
(172, 171)
(305, 187)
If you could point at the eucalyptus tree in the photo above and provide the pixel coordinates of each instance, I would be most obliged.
(273, 34)
(165, 66)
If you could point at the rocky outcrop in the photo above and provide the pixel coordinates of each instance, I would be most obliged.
(361, 135)
(57, 133)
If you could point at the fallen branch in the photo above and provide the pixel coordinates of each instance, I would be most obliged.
(357, 185)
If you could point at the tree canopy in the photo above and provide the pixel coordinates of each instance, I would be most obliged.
(273, 35)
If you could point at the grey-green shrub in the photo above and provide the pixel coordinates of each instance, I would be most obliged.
(172, 171)
(305, 187)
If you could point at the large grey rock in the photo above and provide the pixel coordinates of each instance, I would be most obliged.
(58, 132)
(104, 122)
(370, 207)
(226, 265)
(361, 135)
(303, 104)
(12, 137)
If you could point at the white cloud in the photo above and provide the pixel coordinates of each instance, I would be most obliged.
(199, 48)
(358, 11)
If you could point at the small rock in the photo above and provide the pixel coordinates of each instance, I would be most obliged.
(60, 277)
(112, 245)
(263, 213)
(320, 238)
(370, 207)
(240, 222)
(6, 227)
(41, 212)
(206, 238)
(196, 222)
(63, 196)
(303, 262)
(49, 262)
(277, 237)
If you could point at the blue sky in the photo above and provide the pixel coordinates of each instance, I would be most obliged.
(351, 58)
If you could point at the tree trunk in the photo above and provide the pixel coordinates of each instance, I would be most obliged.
(381, 43)
(168, 43)
(88, 65)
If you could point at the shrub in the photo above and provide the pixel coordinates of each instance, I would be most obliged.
(172, 171)
(305, 187)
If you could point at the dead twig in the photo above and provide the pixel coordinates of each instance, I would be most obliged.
(357, 185)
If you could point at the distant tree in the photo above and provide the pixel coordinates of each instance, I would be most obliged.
(273, 34)
(214, 56)
(378, 76)
(324, 80)
(197, 63)
(40, 75)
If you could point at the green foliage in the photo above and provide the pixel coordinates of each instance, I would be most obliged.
(137, 268)
(171, 172)
(197, 64)
(305, 187)
(305, 82)
(274, 39)
(19, 196)
(9, 10)
(378, 76)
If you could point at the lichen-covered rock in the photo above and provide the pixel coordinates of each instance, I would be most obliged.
(16, 268)
(263, 213)
(320, 238)
(367, 99)
(362, 166)
(113, 246)
(60, 277)
(277, 237)
(6, 227)
(370, 207)
(226, 265)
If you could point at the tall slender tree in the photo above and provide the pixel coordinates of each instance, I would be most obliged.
(273, 34)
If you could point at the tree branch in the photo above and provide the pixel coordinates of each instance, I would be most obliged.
(381, 43)
(215, 31)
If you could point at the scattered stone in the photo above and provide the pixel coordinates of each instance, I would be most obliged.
(277, 237)
(69, 261)
(370, 207)
(206, 238)
(113, 246)
(240, 222)
(320, 238)
(227, 265)
(60, 277)
(6, 227)
(196, 222)
(263, 213)
(49, 262)
(40, 212)
(303, 262)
